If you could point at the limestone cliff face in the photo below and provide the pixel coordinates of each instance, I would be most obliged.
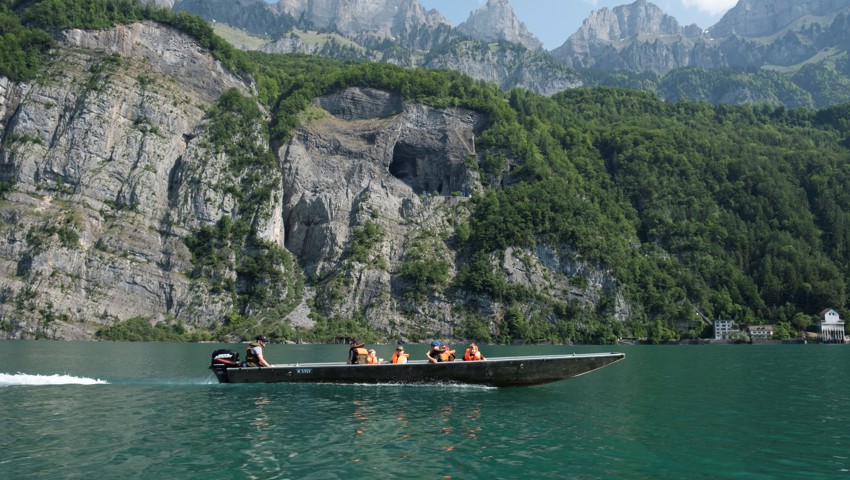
(363, 29)
(507, 67)
(366, 157)
(757, 18)
(111, 169)
(638, 37)
(496, 21)
(381, 18)
(109, 174)
(754, 34)
(369, 158)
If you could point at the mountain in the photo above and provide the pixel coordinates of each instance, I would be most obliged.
(783, 52)
(492, 45)
(496, 21)
(379, 18)
(637, 37)
(140, 187)
(159, 184)
(764, 18)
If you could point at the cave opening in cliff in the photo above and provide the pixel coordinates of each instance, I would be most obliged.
(405, 164)
(423, 169)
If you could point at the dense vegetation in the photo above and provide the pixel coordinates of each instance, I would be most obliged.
(24, 41)
(698, 211)
(702, 211)
(815, 85)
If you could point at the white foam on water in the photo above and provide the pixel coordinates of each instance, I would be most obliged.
(9, 379)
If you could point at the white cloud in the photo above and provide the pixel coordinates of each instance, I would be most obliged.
(713, 7)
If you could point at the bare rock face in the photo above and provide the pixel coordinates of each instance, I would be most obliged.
(160, 3)
(757, 18)
(371, 155)
(112, 167)
(549, 267)
(508, 68)
(368, 158)
(496, 21)
(107, 160)
(638, 37)
(378, 18)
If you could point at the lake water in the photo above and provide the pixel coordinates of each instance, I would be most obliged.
(112, 410)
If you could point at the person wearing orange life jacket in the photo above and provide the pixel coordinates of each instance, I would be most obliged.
(440, 353)
(472, 353)
(399, 356)
(447, 355)
(372, 358)
(357, 354)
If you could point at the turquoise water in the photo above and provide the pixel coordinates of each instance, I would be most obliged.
(665, 412)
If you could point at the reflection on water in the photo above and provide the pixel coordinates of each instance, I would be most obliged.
(262, 418)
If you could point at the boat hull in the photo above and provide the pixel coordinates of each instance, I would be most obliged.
(495, 372)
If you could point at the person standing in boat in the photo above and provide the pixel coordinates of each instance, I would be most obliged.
(357, 354)
(254, 352)
(399, 356)
(472, 353)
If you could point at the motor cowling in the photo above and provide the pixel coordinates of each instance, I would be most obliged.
(223, 359)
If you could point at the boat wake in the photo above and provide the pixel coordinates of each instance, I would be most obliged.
(8, 379)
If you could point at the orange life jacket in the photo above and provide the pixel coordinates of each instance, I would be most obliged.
(372, 360)
(447, 355)
(396, 358)
(470, 355)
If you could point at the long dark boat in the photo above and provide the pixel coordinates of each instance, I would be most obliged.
(493, 372)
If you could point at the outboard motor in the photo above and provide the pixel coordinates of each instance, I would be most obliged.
(221, 361)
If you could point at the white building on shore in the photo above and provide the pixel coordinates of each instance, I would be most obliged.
(723, 329)
(831, 327)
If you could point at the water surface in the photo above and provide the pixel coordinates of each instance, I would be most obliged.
(154, 411)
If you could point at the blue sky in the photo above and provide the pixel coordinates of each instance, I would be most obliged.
(553, 21)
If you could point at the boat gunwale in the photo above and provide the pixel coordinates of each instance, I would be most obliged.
(425, 362)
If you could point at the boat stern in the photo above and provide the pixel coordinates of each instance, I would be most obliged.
(221, 361)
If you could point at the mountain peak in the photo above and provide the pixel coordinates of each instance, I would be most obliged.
(757, 18)
(381, 18)
(628, 21)
(496, 21)
(641, 29)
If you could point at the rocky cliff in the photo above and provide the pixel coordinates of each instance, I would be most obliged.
(496, 21)
(758, 18)
(637, 37)
(112, 164)
(402, 33)
(107, 160)
(379, 18)
(493, 45)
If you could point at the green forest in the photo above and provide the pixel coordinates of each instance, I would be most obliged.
(699, 211)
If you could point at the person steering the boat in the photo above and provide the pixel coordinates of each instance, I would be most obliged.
(357, 354)
(254, 352)
(472, 353)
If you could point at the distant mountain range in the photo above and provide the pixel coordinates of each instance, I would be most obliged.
(776, 51)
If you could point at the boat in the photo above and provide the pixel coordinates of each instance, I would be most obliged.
(493, 372)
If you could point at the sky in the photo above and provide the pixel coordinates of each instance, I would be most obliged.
(553, 21)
